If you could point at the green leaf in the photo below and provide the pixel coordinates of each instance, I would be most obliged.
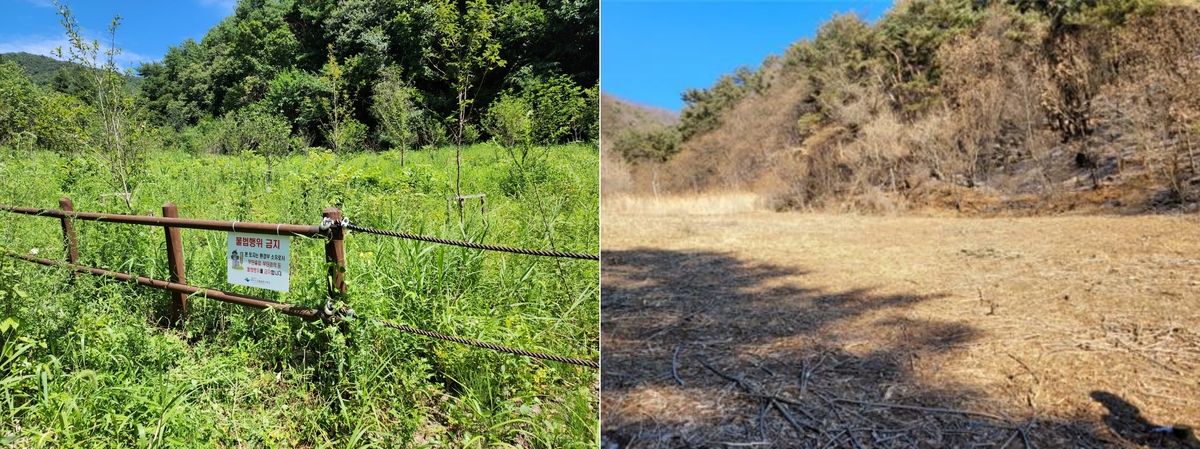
(7, 324)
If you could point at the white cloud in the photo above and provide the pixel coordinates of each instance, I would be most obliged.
(45, 46)
(130, 60)
(225, 5)
(36, 45)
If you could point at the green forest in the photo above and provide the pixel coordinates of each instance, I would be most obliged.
(976, 105)
(281, 76)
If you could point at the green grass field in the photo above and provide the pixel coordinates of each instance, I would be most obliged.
(83, 362)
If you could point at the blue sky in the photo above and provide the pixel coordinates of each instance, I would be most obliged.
(147, 27)
(652, 50)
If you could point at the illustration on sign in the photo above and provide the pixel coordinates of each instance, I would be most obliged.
(258, 261)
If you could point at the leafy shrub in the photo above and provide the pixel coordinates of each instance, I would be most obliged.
(198, 139)
(422, 179)
(648, 145)
(18, 103)
(295, 95)
(591, 117)
(250, 130)
(532, 174)
(351, 136)
(395, 105)
(470, 133)
(561, 110)
(509, 120)
(62, 123)
(430, 132)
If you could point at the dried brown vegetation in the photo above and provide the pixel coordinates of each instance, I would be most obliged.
(624, 131)
(1003, 108)
(756, 329)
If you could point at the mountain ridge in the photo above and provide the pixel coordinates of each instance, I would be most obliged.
(43, 69)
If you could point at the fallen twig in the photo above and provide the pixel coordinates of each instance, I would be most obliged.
(1027, 369)
(804, 373)
(922, 409)
(853, 440)
(833, 440)
(792, 420)
(773, 400)
(674, 366)
(749, 444)
(762, 421)
(1025, 438)
(719, 373)
(1010, 439)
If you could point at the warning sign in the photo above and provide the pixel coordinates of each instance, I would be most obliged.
(258, 261)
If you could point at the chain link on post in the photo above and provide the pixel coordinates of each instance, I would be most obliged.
(335, 255)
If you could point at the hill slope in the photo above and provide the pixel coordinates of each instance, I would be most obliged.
(618, 115)
(1007, 107)
(43, 69)
(625, 130)
(40, 69)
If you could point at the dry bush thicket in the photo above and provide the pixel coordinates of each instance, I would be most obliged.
(735, 160)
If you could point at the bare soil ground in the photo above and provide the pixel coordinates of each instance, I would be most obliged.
(727, 326)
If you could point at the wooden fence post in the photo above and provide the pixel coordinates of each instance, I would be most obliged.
(69, 231)
(175, 265)
(335, 254)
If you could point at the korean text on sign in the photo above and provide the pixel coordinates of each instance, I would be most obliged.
(258, 261)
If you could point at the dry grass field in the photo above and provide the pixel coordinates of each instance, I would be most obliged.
(727, 326)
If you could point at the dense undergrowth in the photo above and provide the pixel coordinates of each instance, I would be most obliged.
(85, 363)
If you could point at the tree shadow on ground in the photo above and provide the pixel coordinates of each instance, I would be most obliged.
(1126, 421)
(703, 349)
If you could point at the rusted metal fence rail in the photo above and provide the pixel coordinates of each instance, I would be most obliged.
(335, 256)
(184, 289)
(186, 223)
(177, 285)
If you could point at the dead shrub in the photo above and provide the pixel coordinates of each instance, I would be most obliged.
(615, 176)
(754, 136)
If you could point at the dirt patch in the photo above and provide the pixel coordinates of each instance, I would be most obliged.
(761, 329)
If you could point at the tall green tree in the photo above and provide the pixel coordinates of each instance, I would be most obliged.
(394, 107)
(112, 104)
(18, 103)
(276, 51)
(463, 52)
(342, 130)
(177, 90)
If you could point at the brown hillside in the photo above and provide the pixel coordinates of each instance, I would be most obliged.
(617, 115)
(984, 110)
(619, 119)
